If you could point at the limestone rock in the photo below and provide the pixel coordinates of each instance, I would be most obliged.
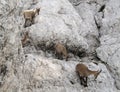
(109, 51)
(85, 25)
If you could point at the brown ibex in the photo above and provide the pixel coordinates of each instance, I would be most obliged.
(24, 39)
(29, 15)
(61, 51)
(83, 72)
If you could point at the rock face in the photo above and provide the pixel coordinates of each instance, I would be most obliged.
(109, 51)
(83, 26)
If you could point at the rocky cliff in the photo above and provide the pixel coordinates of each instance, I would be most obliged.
(91, 27)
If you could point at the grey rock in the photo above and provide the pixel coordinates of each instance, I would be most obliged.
(30, 69)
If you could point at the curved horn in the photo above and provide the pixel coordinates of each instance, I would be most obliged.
(98, 72)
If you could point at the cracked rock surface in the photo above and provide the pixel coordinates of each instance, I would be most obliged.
(90, 27)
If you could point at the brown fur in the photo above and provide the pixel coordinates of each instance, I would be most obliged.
(61, 50)
(84, 72)
(30, 15)
(24, 40)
